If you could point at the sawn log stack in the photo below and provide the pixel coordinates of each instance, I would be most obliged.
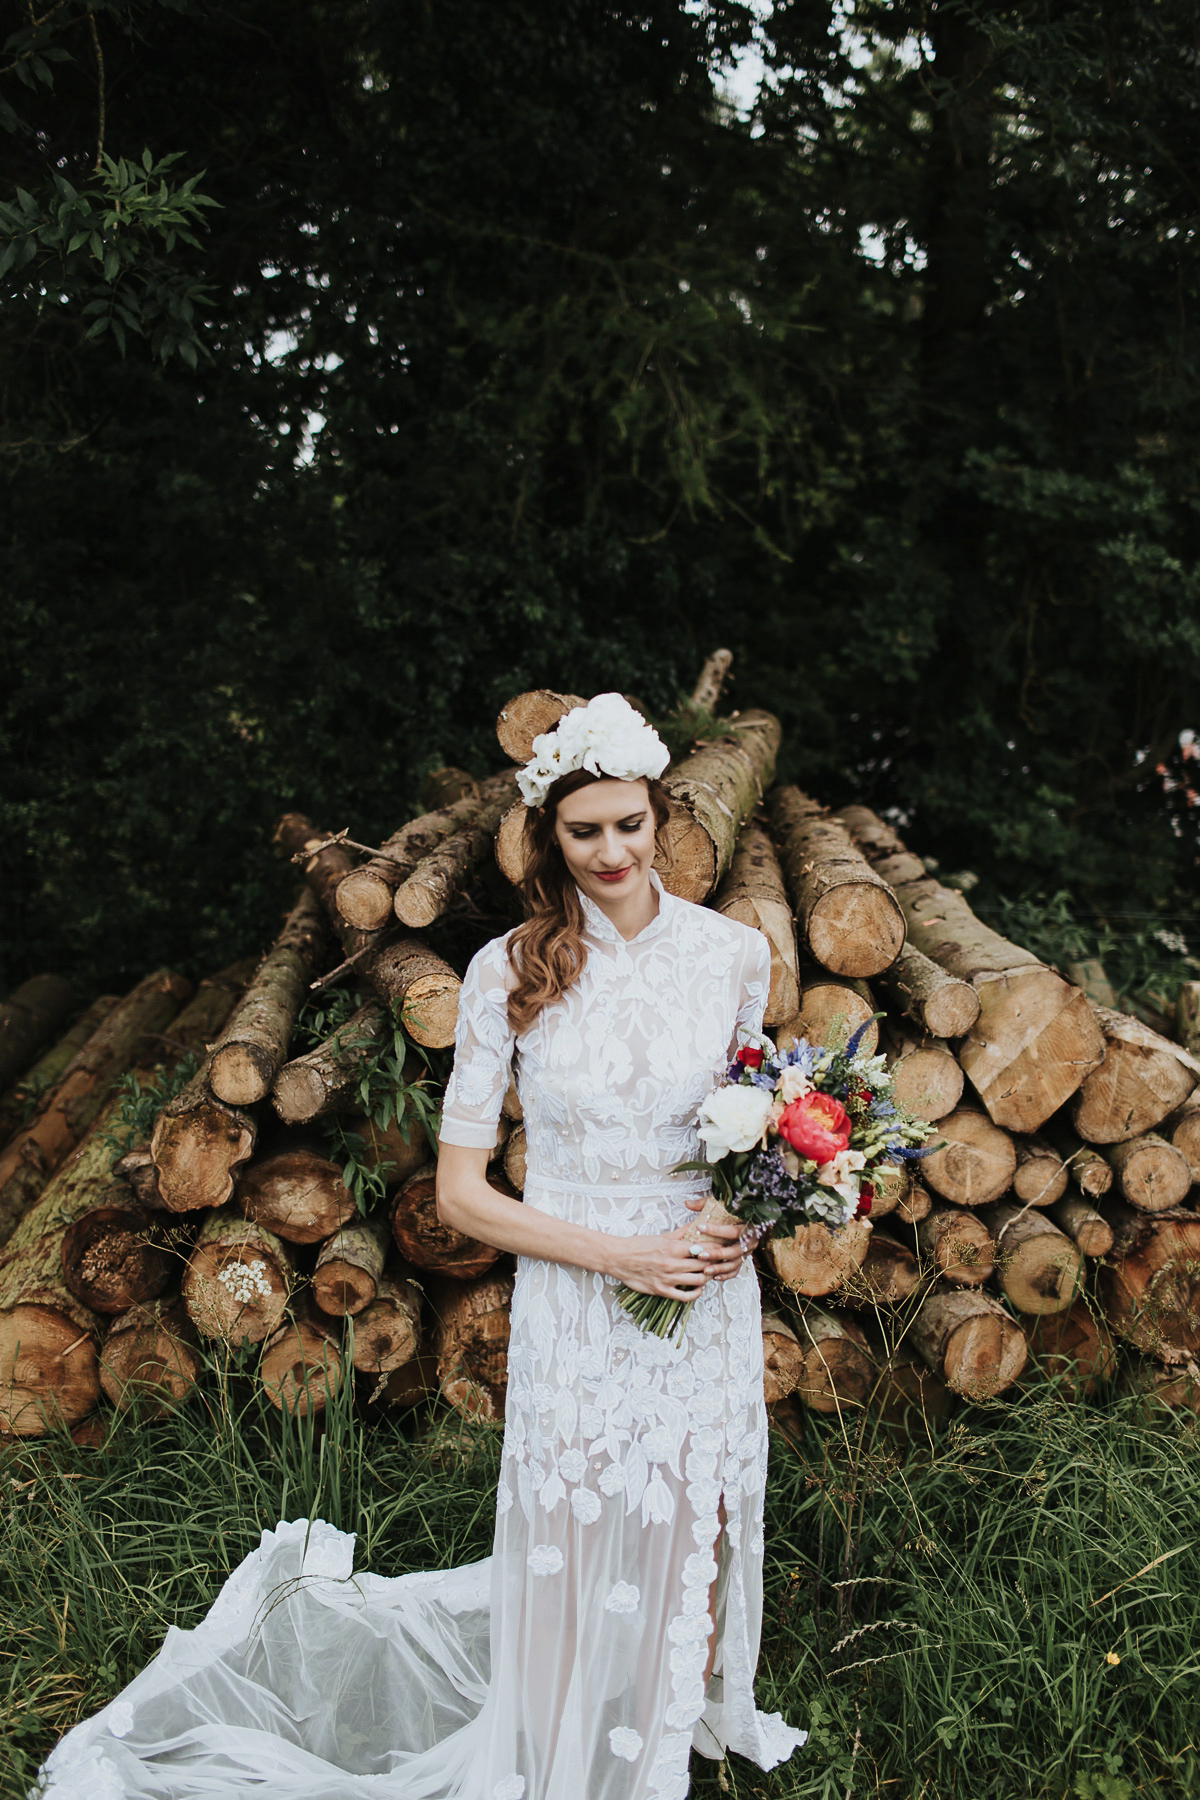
(1051, 1218)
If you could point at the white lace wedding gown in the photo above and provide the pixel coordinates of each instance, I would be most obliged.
(569, 1665)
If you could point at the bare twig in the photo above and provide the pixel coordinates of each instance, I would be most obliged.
(341, 838)
(351, 962)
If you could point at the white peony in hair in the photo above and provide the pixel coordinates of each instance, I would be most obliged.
(606, 737)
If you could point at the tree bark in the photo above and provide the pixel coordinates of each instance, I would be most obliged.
(327, 1078)
(1086, 1167)
(1090, 976)
(246, 1057)
(888, 1275)
(1041, 1176)
(958, 1244)
(298, 1194)
(1039, 1267)
(837, 1371)
(442, 787)
(424, 987)
(706, 695)
(1073, 1348)
(387, 1332)
(197, 1145)
(1152, 1174)
(511, 844)
(783, 1358)
(365, 895)
(926, 1075)
(350, 1266)
(442, 875)
(1080, 1220)
(977, 1162)
(301, 1367)
(1141, 1078)
(1036, 1038)
(1182, 1128)
(969, 1339)
(531, 715)
(753, 893)
(847, 913)
(712, 792)
(35, 1153)
(471, 1340)
(1150, 1281)
(28, 1019)
(832, 1007)
(423, 1239)
(238, 1279)
(939, 1005)
(514, 1158)
(1187, 1017)
(817, 1260)
(31, 1091)
(148, 1358)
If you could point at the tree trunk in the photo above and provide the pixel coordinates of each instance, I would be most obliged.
(528, 716)
(783, 1358)
(148, 1359)
(365, 895)
(1152, 1174)
(1187, 1017)
(1039, 1267)
(442, 787)
(423, 1239)
(426, 989)
(926, 1075)
(1182, 1128)
(244, 1060)
(1073, 1348)
(706, 695)
(1036, 1037)
(442, 875)
(977, 1162)
(301, 1367)
(31, 1092)
(35, 1153)
(237, 1280)
(511, 845)
(969, 1339)
(471, 1340)
(514, 1158)
(197, 1144)
(938, 1004)
(1141, 1079)
(1041, 1176)
(328, 1077)
(28, 1019)
(1080, 1220)
(916, 1205)
(297, 1194)
(712, 792)
(848, 914)
(350, 1266)
(1150, 1281)
(817, 1260)
(1086, 1167)
(837, 1371)
(387, 1332)
(832, 1007)
(889, 1274)
(753, 893)
(958, 1244)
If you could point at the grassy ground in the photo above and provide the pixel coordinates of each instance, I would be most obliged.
(1010, 1610)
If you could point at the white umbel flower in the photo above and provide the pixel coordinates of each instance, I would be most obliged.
(734, 1118)
(606, 737)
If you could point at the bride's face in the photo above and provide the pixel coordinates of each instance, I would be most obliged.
(606, 834)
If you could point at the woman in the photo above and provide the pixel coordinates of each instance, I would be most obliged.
(616, 1625)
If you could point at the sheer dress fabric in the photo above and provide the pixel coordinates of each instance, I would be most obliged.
(569, 1665)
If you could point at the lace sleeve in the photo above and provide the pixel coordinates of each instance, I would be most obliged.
(756, 981)
(483, 1052)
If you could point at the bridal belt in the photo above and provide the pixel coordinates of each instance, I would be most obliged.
(620, 1187)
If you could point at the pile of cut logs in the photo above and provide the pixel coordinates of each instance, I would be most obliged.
(1049, 1222)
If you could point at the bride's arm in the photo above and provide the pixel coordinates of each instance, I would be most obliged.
(660, 1263)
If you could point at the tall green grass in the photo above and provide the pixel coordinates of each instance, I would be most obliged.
(943, 1617)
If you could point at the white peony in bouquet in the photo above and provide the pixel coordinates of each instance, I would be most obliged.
(791, 1138)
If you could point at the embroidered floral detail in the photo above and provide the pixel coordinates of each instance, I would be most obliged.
(572, 1465)
(120, 1718)
(511, 1788)
(625, 1742)
(545, 1559)
(624, 1598)
(586, 1506)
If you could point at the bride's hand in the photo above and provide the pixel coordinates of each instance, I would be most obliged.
(677, 1266)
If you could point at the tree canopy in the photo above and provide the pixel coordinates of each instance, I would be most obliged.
(365, 363)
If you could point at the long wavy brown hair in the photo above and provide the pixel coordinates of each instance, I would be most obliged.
(548, 952)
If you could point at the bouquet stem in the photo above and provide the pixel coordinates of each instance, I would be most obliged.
(659, 1315)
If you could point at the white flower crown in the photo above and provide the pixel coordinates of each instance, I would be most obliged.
(606, 736)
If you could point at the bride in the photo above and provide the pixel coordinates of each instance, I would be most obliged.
(616, 1625)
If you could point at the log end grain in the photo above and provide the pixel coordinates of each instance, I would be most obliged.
(196, 1155)
(112, 1258)
(856, 929)
(1035, 1041)
(49, 1371)
(425, 1241)
(364, 899)
(301, 1368)
(975, 1162)
(817, 1260)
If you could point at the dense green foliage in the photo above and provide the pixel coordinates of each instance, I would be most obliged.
(1009, 1611)
(507, 353)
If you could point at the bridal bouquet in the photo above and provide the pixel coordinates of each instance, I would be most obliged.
(791, 1138)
